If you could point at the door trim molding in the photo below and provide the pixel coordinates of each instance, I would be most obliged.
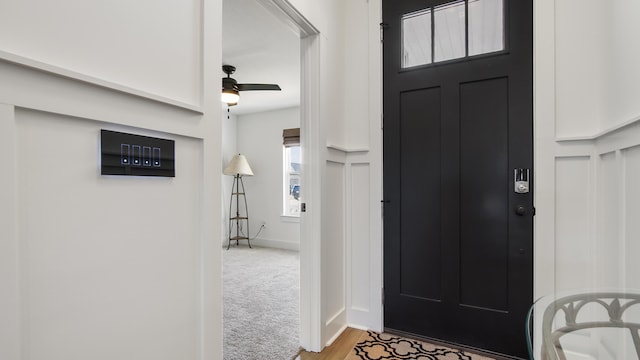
(310, 221)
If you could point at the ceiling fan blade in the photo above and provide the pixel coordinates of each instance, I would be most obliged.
(250, 87)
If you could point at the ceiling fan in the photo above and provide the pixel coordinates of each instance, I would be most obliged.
(231, 88)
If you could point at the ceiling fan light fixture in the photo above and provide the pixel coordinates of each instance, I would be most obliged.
(230, 96)
(231, 89)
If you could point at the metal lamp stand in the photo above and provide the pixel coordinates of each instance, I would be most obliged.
(237, 190)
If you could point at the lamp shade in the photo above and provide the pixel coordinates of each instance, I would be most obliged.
(238, 166)
(230, 96)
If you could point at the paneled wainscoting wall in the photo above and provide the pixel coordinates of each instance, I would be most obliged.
(351, 183)
(597, 233)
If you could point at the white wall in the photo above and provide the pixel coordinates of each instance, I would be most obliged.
(348, 137)
(96, 248)
(350, 159)
(580, 42)
(595, 65)
(330, 19)
(624, 85)
(132, 45)
(324, 54)
(259, 138)
(108, 267)
(587, 141)
(113, 64)
(142, 74)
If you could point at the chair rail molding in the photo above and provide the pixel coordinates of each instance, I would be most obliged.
(63, 72)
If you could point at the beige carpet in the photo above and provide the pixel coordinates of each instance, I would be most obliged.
(261, 292)
(374, 346)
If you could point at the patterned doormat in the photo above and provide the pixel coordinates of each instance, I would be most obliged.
(374, 346)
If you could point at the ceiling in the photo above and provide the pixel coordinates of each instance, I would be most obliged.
(264, 50)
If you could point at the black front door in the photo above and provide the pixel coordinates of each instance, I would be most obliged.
(458, 133)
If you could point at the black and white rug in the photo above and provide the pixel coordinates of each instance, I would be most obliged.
(374, 346)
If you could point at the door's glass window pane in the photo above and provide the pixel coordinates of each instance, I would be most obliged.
(460, 28)
(449, 31)
(416, 38)
(486, 26)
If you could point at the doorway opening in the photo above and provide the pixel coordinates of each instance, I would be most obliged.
(252, 64)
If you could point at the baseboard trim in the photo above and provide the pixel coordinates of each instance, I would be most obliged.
(337, 335)
(277, 244)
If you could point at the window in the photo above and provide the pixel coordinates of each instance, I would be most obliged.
(416, 38)
(291, 167)
(453, 30)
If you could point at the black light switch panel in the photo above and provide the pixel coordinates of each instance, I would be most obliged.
(136, 155)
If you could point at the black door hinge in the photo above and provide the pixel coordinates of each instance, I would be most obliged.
(383, 26)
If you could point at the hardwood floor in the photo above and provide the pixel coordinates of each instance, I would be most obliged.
(338, 350)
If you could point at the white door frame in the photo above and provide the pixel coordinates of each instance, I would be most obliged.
(310, 221)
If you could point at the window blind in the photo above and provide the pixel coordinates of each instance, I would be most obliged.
(291, 137)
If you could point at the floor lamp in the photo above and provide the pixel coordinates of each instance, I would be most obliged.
(238, 167)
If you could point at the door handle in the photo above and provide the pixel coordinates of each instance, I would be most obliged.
(521, 210)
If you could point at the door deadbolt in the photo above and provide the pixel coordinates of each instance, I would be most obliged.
(521, 181)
